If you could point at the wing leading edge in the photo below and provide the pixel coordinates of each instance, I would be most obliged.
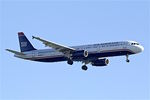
(56, 46)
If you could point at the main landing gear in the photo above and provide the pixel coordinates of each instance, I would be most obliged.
(84, 67)
(127, 58)
(70, 62)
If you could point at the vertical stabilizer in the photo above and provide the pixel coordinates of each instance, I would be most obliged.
(25, 44)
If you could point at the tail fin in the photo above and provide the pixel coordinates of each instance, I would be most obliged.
(25, 44)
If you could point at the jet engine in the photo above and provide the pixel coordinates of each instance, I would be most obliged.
(80, 53)
(100, 62)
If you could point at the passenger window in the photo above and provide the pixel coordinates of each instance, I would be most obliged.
(134, 44)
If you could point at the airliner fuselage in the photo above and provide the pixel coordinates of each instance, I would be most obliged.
(95, 54)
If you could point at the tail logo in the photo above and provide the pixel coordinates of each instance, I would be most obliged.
(23, 44)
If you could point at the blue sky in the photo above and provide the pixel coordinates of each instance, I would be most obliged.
(74, 23)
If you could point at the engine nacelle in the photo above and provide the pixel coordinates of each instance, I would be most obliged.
(80, 53)
(100, 62)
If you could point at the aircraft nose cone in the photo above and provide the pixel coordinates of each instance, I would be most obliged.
(140, 49)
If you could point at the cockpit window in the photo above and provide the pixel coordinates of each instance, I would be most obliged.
(134, 43)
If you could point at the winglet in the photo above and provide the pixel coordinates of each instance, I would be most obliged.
(15, 52)
(33, 37)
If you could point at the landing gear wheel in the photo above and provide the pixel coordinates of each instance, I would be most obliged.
(70, 62)
(84, 67)
(127, 58)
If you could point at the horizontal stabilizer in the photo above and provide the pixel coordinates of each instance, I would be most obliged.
(15, 52)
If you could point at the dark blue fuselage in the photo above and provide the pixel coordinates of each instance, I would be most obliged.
(91, 56)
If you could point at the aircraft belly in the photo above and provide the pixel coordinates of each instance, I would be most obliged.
(90, 56)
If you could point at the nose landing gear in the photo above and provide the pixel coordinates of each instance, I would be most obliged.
(127, 58)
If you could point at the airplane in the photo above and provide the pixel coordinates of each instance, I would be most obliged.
(94, 54)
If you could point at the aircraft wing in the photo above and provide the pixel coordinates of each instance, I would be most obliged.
(58, 47)
(15, 52)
